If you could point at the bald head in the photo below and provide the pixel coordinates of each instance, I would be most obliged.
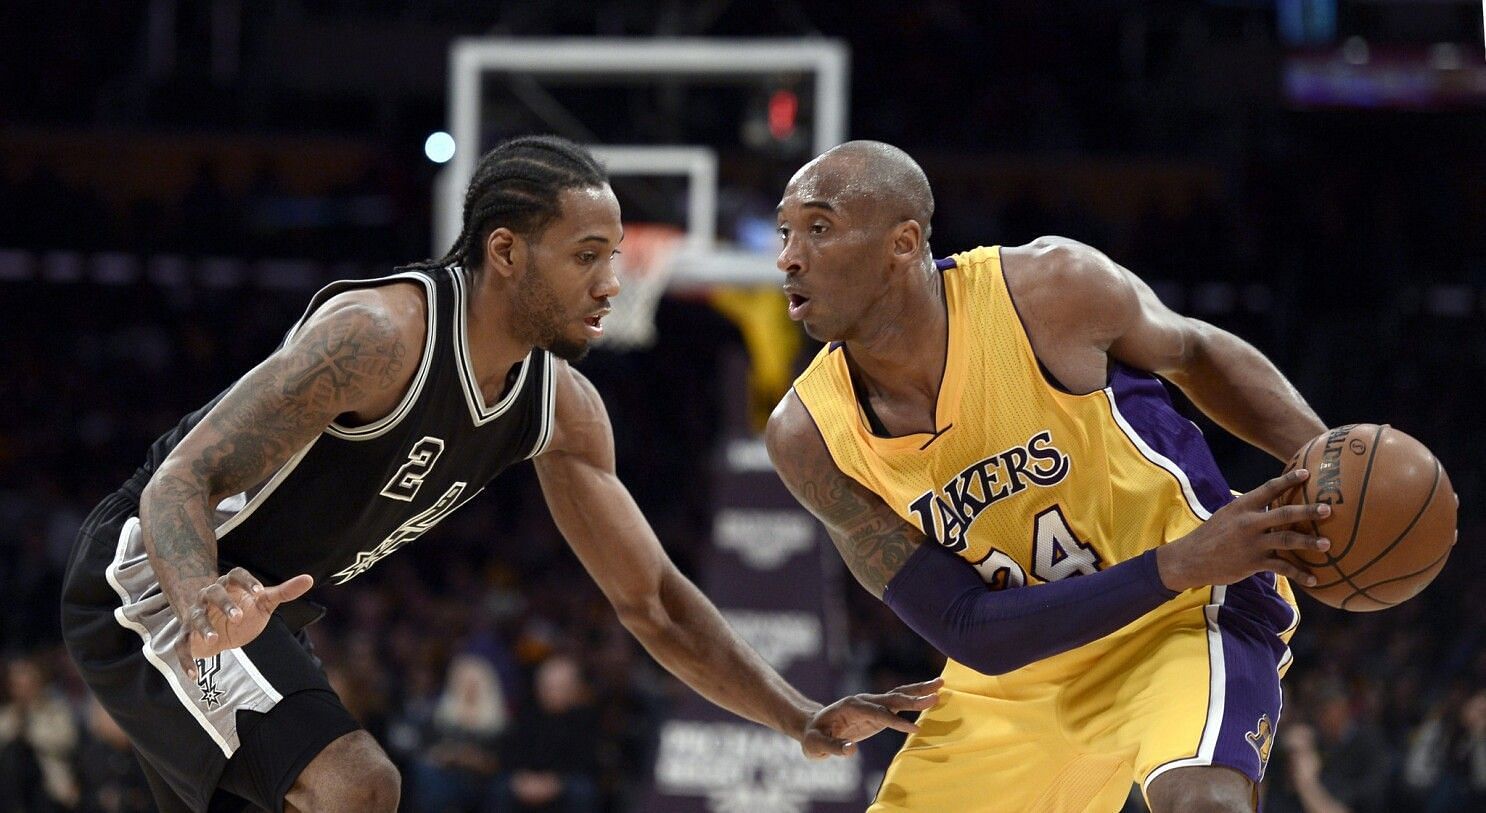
(870, 177)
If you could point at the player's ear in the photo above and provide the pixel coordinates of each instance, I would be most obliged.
(501, 250)
(908, 240)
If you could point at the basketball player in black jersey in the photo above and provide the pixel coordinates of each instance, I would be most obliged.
(391, 403)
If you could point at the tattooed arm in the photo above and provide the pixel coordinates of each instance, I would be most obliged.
(350, 358)
(872, 538)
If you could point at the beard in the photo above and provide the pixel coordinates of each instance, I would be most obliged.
(543, 317)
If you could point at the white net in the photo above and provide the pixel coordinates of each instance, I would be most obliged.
(645, 265)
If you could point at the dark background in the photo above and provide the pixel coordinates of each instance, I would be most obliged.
(176, 178)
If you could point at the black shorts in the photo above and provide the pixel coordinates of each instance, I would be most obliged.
(237, 735)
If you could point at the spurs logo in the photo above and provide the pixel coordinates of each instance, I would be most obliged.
(1262, 739)
(206, 680)
(405, 533)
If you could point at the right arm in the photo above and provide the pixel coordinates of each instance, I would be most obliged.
(349, 356)
(942, 597)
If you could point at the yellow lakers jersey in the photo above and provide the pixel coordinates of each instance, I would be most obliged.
(1027, 482)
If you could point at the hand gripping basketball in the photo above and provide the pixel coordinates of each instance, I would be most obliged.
(230, 612)
(1243, 538)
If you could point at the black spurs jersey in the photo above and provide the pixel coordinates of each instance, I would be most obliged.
(354, 495)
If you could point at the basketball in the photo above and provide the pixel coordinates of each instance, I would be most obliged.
(1392, 520)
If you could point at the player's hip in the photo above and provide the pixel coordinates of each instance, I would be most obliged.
(1199, 685)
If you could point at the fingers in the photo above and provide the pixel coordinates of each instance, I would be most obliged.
(240, 577)
(1295, 514)
(896, 723)
(902, 701)
(820, 746)
(1290, 570)
(216, 595)
(921, 688)
(287, 591)
(1294, 540)
(199, 626)
(1274, 489)
(839, 748)
(184, 656)
(882, 709)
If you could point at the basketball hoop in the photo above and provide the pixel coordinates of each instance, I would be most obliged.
(645, 265)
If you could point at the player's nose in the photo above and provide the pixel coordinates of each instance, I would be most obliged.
(790, 260)
(608, 284)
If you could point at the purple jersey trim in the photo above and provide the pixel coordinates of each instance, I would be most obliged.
(1142, 400)
(1250, 622)
(945, 264)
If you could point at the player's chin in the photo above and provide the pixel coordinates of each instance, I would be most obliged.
(819, 331)
(569, 348)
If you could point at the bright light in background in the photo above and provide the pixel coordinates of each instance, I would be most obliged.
(439, 147)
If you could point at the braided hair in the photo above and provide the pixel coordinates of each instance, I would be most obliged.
(516, 185)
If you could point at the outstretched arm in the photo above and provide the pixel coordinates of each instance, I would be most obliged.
(1102, 303)
(348, 357)
(941, 597)
(662, 608)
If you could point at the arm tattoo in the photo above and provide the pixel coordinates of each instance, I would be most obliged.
(273, 411)
(267, 417)
(874, 541)
(176, 525)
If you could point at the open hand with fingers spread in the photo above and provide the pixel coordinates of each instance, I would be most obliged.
(1243, 538)
(836, 729)
(230, 612)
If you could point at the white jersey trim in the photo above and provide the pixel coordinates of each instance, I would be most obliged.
(1216, 695)
(549, 406)
(268, 488)
(1157, 458)
(479, 412)
(385, 424)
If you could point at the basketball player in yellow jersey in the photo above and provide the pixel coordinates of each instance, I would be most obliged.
(982, 429)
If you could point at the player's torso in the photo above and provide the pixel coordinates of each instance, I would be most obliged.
(1028, 483)
(354, 495)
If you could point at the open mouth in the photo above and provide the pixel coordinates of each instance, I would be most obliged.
(798, 305)
(594, 325)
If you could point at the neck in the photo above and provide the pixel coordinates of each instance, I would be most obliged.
(903, 347)
(491, 329)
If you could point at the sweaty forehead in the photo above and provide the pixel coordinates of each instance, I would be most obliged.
(838, 181)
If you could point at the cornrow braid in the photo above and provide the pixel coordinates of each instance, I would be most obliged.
(516, 185)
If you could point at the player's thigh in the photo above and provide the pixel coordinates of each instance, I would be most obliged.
(351, 773)
(997, 748)
(1211, 789)
(280, 750)
(1196, 692)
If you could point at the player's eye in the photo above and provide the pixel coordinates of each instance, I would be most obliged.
(783, 234)
(588, 257)
(818, 228)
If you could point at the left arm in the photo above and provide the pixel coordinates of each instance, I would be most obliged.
(1226, 377)
(662, 608)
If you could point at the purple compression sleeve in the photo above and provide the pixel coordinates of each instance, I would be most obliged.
(941, 597)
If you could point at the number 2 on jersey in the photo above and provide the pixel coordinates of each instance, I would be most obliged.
(405, 483)
(1057, 553)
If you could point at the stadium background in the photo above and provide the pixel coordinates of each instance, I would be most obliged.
(177, 177)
